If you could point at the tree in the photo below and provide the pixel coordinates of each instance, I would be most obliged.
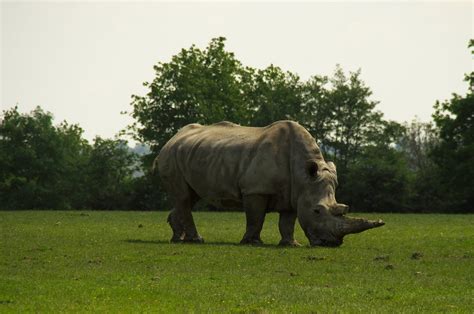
(454, 154)
(416, 144)
(43, 166)
(40, 164)
(207, 86)
(109, 174)
(340, 114)
(276, 95)
(316, 115)
(377, 179)
(354, 122)
(196, 86)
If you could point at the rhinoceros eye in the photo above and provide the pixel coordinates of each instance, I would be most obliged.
(312, 168)
(319, 209)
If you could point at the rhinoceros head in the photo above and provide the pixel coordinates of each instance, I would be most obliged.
(323, 220)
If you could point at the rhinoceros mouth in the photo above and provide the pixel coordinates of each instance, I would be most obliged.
(323, 239)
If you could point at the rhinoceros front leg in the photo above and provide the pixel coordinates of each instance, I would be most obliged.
(286, 225)
(255, 208)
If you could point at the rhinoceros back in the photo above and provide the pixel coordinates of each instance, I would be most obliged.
(224, 161)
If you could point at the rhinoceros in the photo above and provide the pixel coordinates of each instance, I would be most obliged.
(260, 169)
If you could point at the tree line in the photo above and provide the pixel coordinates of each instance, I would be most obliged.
(382, 165)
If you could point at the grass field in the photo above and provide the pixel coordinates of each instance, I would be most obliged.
(73, 261)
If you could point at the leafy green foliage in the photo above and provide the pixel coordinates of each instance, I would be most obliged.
(454, 153)
(52, 167)
(377, 180)
(208, 86)
(109, 174)
(148, 192)
(105, 262)
(316, 115)
(197, 86)
(40, 163)
(417, 143)
(382, 165)
(354, 121)
(275, 95)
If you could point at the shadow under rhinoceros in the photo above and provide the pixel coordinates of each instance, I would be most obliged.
(216, 243)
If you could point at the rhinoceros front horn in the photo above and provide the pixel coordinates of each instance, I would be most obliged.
(356, 225)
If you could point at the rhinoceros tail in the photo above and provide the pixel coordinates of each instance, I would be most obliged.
(154, 167)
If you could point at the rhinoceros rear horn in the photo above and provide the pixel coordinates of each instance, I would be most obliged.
(339, 209)
(356, 225)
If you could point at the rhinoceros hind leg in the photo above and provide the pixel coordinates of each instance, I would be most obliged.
(286, 225)
(251, 241)
(181, 219)
(292, 243)
(177, 226)
(255, 209)
(196, 239)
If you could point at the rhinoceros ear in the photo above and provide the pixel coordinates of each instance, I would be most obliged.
(312, 168)
(332, 166)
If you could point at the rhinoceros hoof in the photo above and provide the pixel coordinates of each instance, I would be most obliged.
(193, 240)
(177, 239)
(251, 241)
(292, 243)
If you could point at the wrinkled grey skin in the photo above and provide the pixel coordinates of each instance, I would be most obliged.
(275, 168)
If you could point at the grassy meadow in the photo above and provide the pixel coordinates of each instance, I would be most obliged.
(84, 261)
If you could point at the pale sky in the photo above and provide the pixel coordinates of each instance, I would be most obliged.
(83, 60)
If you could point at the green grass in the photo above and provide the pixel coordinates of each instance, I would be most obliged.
(104, 261)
